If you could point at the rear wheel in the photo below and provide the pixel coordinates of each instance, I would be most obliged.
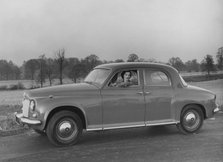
(64, 128)
(191, 119)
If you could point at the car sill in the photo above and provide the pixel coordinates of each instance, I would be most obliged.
(116, 127)
(162, 123)
(133, 126)
(128, 126)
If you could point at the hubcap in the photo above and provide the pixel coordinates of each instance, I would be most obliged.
(191, 120)
(66, 130)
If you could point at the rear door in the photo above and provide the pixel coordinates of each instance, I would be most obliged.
(158, 93)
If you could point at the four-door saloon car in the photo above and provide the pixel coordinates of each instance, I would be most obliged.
(117, 95)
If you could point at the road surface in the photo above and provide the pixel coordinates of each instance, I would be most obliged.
(163, 143)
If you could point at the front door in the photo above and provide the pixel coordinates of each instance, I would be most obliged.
(123, 106)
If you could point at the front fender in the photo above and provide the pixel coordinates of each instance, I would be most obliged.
(88, 103)
(47, 105)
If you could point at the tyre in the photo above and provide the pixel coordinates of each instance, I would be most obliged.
(64, 128)
(191, 119)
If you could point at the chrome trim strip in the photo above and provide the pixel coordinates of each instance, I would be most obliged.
(134, 126)
(26, 120)
(94, 129)
(128, 126)
(162, 123)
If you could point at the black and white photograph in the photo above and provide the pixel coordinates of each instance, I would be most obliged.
(111, 80)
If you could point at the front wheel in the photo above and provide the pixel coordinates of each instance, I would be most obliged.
(191, 119)
(64, 128)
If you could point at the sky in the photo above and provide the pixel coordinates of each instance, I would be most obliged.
(110, 29)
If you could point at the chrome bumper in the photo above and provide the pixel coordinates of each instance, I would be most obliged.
(20, 119)
(217, 109)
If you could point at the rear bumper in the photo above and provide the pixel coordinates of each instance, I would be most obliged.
(21, 120)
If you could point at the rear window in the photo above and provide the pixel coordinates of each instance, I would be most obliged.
(156, 78)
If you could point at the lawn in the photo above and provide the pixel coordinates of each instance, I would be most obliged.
(26, 83)
(11, 97)
(29, 84)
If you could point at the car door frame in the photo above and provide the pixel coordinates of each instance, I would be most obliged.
(139, 93)
(148, 92)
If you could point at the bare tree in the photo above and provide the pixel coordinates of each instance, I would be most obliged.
(49, 69)
(77, 71)
(42, 63)
(60, 58)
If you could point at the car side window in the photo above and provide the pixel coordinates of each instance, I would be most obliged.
(125, 78)
(156, 78)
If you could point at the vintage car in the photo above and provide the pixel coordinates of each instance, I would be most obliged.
(155, 94)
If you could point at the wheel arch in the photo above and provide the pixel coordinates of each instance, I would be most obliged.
(198, 105)
(76, 110)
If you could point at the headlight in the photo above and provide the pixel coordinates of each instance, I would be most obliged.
(32, 105)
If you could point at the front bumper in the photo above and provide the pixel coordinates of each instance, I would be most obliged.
(21, 120)
(217, 109)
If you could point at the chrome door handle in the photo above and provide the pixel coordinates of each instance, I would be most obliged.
(143, 93)
(146, 93)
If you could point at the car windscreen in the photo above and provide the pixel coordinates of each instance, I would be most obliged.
(97, 76)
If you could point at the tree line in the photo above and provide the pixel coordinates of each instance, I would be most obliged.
(42, 68)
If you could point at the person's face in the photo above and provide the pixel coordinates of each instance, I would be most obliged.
(127, 76)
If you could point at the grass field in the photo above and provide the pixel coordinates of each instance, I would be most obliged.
(13, 97)
(28, 84)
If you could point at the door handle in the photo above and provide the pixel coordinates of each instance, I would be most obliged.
(140, 93)
(145, 93)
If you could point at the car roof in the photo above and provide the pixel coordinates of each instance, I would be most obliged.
(115, 66)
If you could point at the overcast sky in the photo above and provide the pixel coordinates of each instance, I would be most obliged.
(111, 29)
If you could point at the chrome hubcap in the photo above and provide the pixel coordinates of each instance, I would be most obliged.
(66, 130)
(191, 120)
